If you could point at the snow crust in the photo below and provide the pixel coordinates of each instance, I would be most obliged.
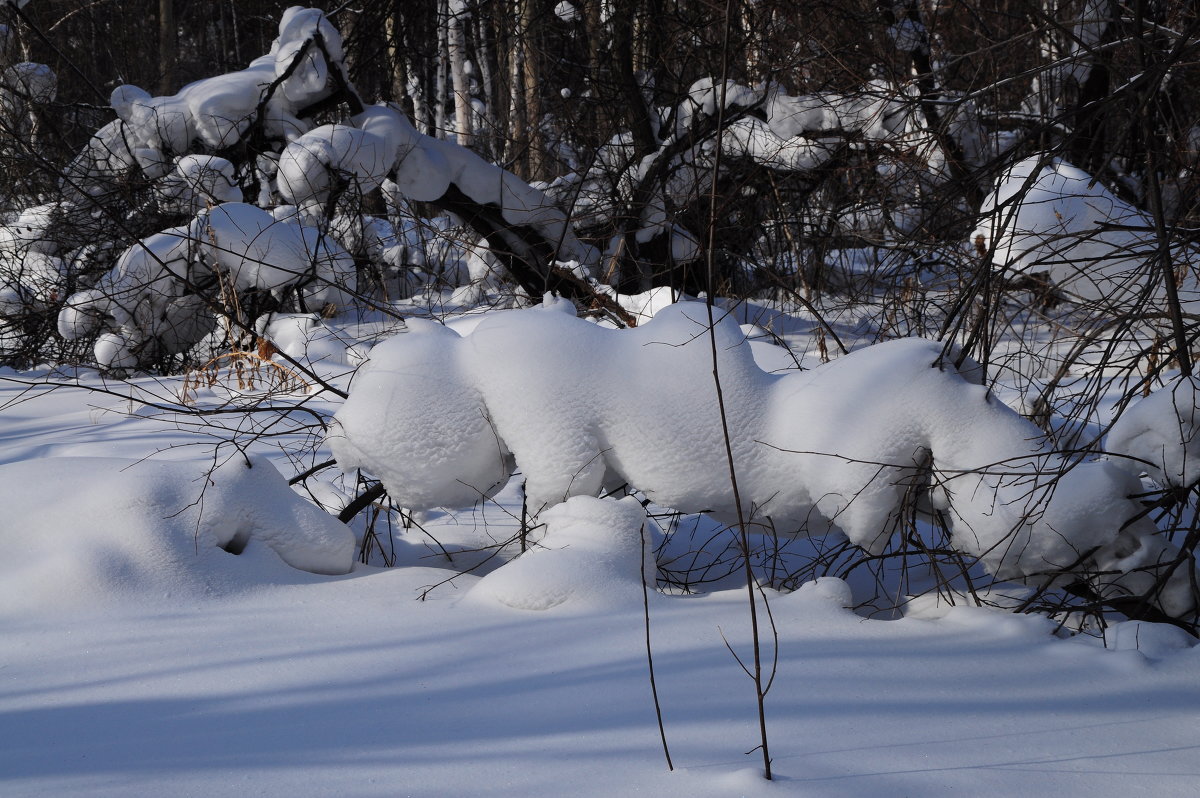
(86, 531)
(594, 554)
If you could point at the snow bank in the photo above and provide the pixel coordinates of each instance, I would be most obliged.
(845, 446)
(84, 531)
(591, 556)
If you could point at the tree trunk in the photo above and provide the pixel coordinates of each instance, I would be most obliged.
(457, 50)
(167, 54)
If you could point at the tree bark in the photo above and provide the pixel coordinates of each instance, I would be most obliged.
(168, 56)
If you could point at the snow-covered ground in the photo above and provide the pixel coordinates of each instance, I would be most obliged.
(140, 658)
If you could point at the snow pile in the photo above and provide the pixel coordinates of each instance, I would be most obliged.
(592, 555)
(433, 442)
(1048, 216)
(1162, 433)
(82, 531)
(845, 446)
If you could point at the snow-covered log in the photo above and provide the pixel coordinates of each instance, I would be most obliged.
(524, 226)
(846, 446)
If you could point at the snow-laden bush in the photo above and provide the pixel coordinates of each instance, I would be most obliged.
(846, 446)
(146, 306)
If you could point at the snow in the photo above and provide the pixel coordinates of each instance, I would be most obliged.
(179, 618)
(85, 532)
(307, 166)
(581, 408)
(142, 659)
(217, 111)
(1161, 433)
(594, 555)
(1045, 215)
(197, 182)
(258, 251)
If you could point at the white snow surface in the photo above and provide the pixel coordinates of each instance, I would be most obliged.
(141, 660)
(435, 415)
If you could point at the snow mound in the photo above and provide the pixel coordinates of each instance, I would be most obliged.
(1154, 640)
(1048, 216)
(88, 531)
(848, 445)
(1163, 432)
(592, 555)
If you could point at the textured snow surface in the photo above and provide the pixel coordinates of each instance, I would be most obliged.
(435, 415)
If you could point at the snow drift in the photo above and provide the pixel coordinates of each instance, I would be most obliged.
(79, 531)
(846, 446)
